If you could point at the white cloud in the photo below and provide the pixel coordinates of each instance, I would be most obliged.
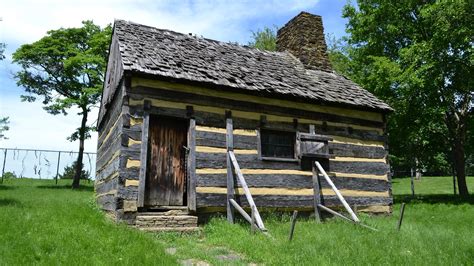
(25, 21)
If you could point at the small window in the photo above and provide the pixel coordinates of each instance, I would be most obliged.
(277, 144)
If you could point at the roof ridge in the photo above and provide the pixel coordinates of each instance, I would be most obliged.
(236, 44)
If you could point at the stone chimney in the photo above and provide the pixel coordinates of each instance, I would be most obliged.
(303, 37)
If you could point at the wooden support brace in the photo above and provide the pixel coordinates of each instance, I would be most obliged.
(293, 223)
(400, 219)
(246, 189)
(344, 217)
(338, 194)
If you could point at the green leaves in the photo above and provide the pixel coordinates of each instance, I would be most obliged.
(264, 39)
(4, 127)
(66, 69)
(66, 63)
(2, 50)
(418, 56)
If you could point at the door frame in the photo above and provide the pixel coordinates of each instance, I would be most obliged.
(191, 159)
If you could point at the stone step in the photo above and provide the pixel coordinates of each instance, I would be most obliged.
(164, 213)
(166, 221)
(170, 229)
(167, 208)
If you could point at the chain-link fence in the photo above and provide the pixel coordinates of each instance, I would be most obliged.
(41, 164)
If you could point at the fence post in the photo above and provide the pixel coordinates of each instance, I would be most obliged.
(293, 223)
(57, 168)
(4, 161)
(400, 219)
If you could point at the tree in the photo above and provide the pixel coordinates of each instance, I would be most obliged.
(2, 50)
(418, 55)
(264, 39)
(66, 69)
(3, 120)
(3, 127)
(70, 172)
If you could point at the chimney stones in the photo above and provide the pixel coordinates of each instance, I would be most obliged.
(303, 37)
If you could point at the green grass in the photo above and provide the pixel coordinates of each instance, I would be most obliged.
(42, 224)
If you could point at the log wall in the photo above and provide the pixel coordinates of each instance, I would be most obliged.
(358, 167)
(109, 160)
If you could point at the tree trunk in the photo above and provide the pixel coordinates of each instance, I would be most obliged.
(457, 128)
(82, 134)
(418, 169)
(460, 166)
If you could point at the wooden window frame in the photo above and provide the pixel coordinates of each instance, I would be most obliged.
(276, 159)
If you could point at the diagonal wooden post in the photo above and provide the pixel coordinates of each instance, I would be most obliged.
(246, 189)
(338, 194)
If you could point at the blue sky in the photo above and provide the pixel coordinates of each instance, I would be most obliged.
(27, 21)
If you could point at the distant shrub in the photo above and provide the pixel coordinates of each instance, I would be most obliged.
(8, 175)
(70, 170)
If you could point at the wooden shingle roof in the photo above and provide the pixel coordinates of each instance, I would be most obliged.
(167, 54)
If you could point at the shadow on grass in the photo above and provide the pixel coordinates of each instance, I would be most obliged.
(81, 188)
(10, 202)
(434, 199)
(2, 187)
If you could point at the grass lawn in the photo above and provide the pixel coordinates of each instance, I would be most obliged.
(44, 224)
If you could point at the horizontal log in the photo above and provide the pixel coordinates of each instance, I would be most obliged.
(134, 132)
(218, 120)
(106, 186)
(205, 100)
(294, 181)
(109, 169)
(358, 151)
(128, 193)
(129, 173)
(112, 117)
(132, 153)
(202, 118)
(213, 139)
(250, 161)
(292, 191)
(107, 202)
(114, 122)
(349, 132)
(104, 157)
(372, 168)
(286, 201)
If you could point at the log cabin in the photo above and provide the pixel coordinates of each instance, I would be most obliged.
(174, 104)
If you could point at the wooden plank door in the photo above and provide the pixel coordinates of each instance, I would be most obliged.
(165, 182)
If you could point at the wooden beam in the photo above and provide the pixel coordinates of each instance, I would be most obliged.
(293, 223)
(241, 210)
(246, 189)
(191, 191)
(143, 159)
(317, 194)
(338, 194)
(344, 217)
(230, 175)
